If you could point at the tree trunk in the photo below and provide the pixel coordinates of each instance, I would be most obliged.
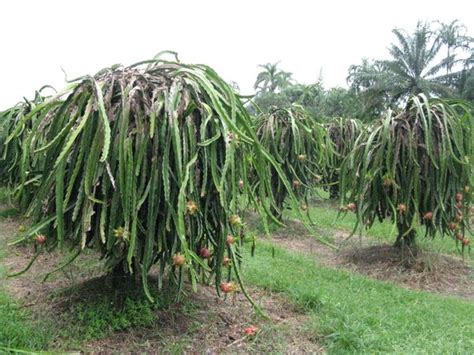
(118, 275)
(405, 240)
(279, 194)
(279, 202)
(334, 192)
(334, 186)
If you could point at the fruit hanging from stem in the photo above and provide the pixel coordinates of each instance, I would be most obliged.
(228, 287)
(40, 239)
(428, 216)
(296, 183)
(179, 260)
(402, 208)
(226, 261)
(453, 226)
(229, 240)
(205, 253)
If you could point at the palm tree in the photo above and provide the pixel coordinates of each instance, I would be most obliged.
(458, 51)
(465, 84)
(413, 68)
(453, 37)
(272, 78)
(368, 75)
(370, 81)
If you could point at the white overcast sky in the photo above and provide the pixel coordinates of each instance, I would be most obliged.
(37, 38)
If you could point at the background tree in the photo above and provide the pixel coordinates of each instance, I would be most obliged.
(340, 102)
(304, 95)
(453, 36)
(369, 82)
(434, 60)
(269, 85)
(268, 101)
(413, 68)
(466, 84)
(416, 65)
(320, 103)
(272, 79)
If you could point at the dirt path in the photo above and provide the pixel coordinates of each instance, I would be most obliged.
(431, 272)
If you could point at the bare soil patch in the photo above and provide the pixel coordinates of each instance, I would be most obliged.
(427, 271)
(29, 286)
(216, 325)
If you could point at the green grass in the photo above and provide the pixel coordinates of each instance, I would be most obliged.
(8, 213)
(17, 331)
(351, 313)
(4, 193)
(99, 316)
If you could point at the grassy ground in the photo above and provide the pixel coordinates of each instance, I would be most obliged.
(17, 330)
(351, 313)
(343, 311)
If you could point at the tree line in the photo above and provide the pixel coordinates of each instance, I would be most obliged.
(435, 58)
